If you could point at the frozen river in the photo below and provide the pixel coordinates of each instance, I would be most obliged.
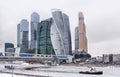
(65, 71)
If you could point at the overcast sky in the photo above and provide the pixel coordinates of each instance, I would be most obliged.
(102, 19)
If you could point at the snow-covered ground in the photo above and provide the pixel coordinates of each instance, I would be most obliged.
(64, 71)
(9, 75)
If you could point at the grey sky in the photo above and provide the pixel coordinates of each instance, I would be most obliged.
(102, 19)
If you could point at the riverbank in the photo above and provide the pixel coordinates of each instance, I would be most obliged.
(89, 65)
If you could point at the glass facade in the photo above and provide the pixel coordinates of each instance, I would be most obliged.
(58, 20)
(67, 35)
(44, 39)
(61, 21)
(22, 37)
(58, 28)
(18, 35)
(34, 24)
(54, 35)
(9, 45)
(76, 38)
(56, 40)
(9, 49)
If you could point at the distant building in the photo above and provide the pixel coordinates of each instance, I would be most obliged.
(57, 31)
(22, 35)
(34, 22)
(61, 28)
(111, 58)
(8, 46)
(76, 39)
(18, 35)
(10, 51)
(67, 35)
(81, 47)
(1, 54)
(54, 35)
(44, 38)
(82, 34)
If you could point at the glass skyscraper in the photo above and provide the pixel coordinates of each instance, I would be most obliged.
(57, 31)
(34, 24)
(76, 38)
(22, 35)
(9, 45)
(67, 35)
(44, 39)
(54, 35)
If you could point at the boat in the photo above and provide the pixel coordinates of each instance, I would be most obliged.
(92, 72)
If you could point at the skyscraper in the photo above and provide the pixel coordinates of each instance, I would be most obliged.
(54, 35)
(22, 37)
(57, 29)
(44, 39)
(49, 40)
(34, 23)
(18, 35)
(76, 38)
(61, 21)
(67, 35)
(82, 34)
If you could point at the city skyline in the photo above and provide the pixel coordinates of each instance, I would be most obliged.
(102, 22)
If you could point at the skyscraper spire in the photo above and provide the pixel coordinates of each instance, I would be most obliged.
(82, 33)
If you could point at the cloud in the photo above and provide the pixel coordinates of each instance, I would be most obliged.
(101, 18)
(104, 28)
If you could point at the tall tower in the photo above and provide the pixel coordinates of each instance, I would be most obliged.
(22, 37)
(82, 34)
(57, 29)
(61, 27)
(18, 35)
(34, 24)
(76, 38)
(67, 35)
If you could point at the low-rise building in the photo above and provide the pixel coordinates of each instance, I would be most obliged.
(111, 58)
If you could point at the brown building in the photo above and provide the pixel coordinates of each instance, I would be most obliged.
(82, 34)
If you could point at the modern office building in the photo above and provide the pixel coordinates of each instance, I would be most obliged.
(82, 34)
(81, 53)
(9, 46)
(44, 38)
(61, 26)
(22, 35)
(18, 35)
(76, 38)
(67, 35)
(51, 35)
(34, 23)
(49, 41)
